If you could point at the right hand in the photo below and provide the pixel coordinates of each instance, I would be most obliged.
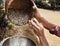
(38, 27)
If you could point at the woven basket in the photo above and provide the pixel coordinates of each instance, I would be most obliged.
(23, 8)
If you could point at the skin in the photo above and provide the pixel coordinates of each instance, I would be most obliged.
(39, 29)
(52, 28)
(35, 10)
(36, 26)
(44, 22)
(38, 22)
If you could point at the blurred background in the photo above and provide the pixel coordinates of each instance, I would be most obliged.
(52, 4)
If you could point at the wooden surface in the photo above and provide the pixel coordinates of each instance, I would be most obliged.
(53, 17)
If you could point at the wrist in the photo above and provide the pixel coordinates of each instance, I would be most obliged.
(55, 31)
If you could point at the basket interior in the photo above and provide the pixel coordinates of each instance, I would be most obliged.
(20, 12)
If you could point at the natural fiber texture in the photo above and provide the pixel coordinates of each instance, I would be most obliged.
(19, 13)
(19, 17)
(24, 30)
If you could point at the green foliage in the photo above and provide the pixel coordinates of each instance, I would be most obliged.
(45, 4)
(2, 13)
(42, 4)
(3, 21)
(10, 25)
(39, 3)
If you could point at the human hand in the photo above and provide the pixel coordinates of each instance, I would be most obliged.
(55, 30)
(38, 27)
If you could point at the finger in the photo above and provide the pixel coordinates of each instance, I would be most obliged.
(33, 26)
(37, 23)
(10, 3)
(31, 1)
(37, 29)
(35, 20)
